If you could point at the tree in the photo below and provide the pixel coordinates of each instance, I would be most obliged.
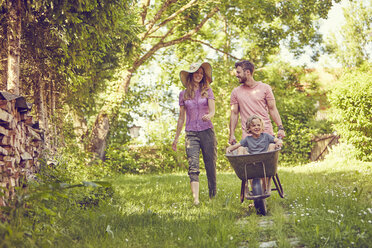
(14, 30)
(352, 44)
(256, 26)
(65, 46)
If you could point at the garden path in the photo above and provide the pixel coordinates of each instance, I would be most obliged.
(266, 223)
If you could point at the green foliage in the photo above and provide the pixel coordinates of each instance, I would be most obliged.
(72, 166)
(40, 212)
(351, 102)
(73, 48)
(144, 159)
(264, 24)
(351, 45)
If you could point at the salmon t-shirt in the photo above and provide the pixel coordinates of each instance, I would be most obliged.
(253, 101)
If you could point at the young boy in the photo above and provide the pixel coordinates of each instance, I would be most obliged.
(258, 141)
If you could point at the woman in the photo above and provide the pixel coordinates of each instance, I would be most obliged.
(197, 104)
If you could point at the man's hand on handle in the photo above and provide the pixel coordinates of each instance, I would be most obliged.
(232, 140)
(174, 145)
(281, 132)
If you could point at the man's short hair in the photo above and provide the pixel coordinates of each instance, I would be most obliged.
(245, 65)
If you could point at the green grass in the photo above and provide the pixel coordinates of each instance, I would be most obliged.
(326, 204)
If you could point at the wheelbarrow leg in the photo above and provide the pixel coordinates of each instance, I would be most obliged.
(278, 185)
(242, 191)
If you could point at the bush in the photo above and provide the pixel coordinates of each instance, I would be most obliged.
(144, 159)
(38, 215)
(351, 111)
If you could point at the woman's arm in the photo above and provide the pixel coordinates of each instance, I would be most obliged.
(180, 122)
(211, 112)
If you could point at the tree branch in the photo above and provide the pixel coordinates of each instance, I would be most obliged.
(145, 6)
(217, 49)
(157, 16)
(162, 44)
(174, 15)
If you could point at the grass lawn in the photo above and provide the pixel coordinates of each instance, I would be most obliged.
(326, 204)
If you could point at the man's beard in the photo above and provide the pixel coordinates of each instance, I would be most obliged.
(242, 80)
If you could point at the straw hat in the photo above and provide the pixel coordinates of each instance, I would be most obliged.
(193, 68)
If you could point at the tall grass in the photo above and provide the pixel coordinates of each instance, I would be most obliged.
(326, 204)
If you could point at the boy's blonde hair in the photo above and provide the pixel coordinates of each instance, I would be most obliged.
(249, 122)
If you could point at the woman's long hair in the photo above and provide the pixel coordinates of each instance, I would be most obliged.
(203, 86)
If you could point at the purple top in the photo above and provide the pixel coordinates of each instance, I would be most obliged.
(195, 109)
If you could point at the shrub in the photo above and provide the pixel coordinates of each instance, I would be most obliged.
(351, 111)
(144, 159)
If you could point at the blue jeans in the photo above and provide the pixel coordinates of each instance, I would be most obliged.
(207, 143)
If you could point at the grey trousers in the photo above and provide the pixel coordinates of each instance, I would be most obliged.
(207, 143)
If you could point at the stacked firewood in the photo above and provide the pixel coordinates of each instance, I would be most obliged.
(21, 143)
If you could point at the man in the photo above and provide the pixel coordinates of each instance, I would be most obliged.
(252, 98)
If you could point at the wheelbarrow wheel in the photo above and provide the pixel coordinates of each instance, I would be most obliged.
(259, 204)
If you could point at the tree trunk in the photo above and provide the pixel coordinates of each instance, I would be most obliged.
(80, 127)
(4, 66)
(14, 45)
(4, 61)
(40, 103)
(52, 106)
(101, 127)
(99, 134)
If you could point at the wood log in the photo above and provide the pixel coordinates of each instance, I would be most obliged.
(6, 158)
(12, 182)
(5, 117)
(5, 140)
(9, 149)
(34, 134)
(17, 157)
(4, 131)
(26, 156)
(21, 143)
(6, 105)
(3, 151)
(28, 119)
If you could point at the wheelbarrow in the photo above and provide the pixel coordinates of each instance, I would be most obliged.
(256, 167)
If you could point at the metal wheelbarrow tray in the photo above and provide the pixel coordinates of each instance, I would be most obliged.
(257, 166)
